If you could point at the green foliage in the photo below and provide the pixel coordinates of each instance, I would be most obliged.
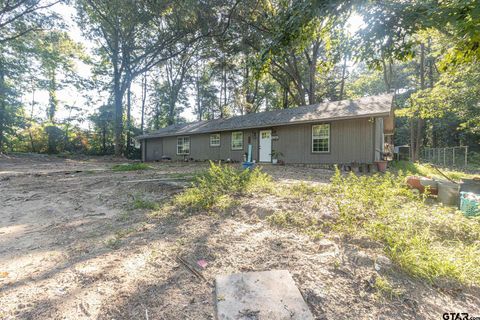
(426, 170)
(145, 204)
(220, 186)
(131, 167)
(367, 83)
(426, 240)
(384, 288)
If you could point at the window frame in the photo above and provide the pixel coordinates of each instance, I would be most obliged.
(231, 142)
(219, 140)
(321, 137)
(183, 142)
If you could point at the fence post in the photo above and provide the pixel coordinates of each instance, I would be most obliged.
(453, 155)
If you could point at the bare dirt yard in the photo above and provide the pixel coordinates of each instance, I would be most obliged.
(79, 241)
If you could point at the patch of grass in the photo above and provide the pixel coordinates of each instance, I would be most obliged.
(428, 241)
(115, 241)
(427, 170)
(139, 203)
(384, 288)
(189, 176)
(220, 186)
(131, 166)
(297, 220)
(124, 216)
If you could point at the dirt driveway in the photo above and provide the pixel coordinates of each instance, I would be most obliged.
(77, 242)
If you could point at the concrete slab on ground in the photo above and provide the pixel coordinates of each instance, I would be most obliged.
(265, 295)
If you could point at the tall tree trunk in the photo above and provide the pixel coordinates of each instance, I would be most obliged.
(52, 97)
(285, 99)
(198, 97)
(312, 73)
(118, 102)
(420, 121)
(3, 104)
(129, 117)
(224, 81)
(342, 83)
(30, 135)
(104, 137)
(144, 99)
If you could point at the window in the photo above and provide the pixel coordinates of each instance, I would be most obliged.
(237, 140)
(215, 140)
(321, 138)
(183, 145)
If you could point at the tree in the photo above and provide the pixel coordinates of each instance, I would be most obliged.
(20, 17)
(138, 36)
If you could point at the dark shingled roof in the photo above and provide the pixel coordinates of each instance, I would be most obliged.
(337, 110)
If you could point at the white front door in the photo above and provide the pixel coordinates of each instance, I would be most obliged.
(265, 146)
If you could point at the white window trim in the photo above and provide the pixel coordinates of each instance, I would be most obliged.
(231, 144)
(219, 137)
(183, 141)
(329, 136)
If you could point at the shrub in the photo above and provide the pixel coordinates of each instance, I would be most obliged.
(218, 187)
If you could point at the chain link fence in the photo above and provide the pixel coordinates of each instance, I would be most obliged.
(446, 157)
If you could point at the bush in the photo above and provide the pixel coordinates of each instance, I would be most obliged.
(218, 187)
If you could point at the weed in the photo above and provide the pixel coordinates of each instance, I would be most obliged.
(428, 241)
(220, 186)
(385, 289)
(124, 216)
(298, 220)
(145, 204)
(131, 167)
(113, 243)
(427, 170)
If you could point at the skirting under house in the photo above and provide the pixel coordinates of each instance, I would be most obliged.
(348, 131)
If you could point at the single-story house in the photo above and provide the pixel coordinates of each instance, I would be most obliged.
(338, 132)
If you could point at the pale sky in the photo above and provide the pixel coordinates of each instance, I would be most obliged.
(70, 96)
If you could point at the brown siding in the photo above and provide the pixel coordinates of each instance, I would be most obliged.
(153, 149)
(350, 140)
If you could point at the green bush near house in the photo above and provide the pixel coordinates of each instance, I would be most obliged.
(220, 186)
(131, 167)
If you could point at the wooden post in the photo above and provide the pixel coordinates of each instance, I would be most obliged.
(444, 154)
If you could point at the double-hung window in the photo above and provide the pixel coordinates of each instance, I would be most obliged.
(183, 145)
(215, 140)
(237, 140)
(321, 138)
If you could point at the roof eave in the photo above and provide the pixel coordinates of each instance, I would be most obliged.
(370, 115)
